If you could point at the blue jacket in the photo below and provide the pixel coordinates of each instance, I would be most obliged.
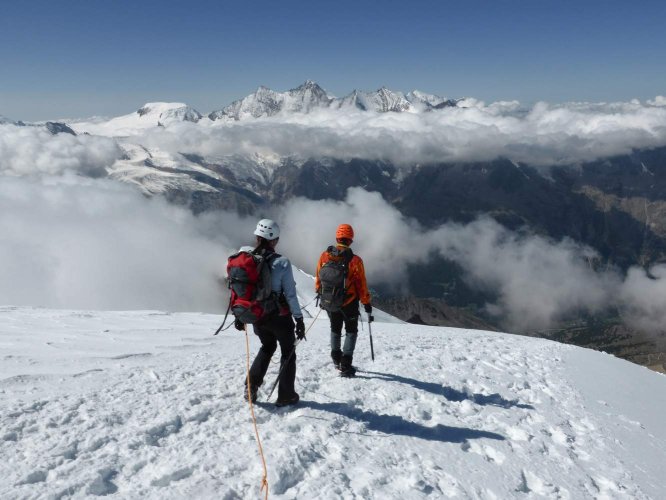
(282, 278)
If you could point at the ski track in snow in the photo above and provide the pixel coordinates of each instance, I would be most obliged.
(149, 405)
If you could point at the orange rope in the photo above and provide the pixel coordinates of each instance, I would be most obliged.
(264, 480)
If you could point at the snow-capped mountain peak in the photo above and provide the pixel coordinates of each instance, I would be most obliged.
(416, 96)
(306, 97)
(426, 102)
(263, 103)
(167, 112)
(151, 114)
(53, 128)
(382, 100)
(388, 100)
(59, 128)
(267, 102)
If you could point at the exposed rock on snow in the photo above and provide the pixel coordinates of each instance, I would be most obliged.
(267, 102)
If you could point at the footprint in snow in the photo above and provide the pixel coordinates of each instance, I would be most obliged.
(38, 476)
(103, 484)
(155, 434)
(200, 417)
(172, 477)
(488, 452)
(531, 483)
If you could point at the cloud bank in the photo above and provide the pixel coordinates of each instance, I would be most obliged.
(538, 281)
(35, 151)
(71, 242)
(95, 244)
(67, 240)
(543, 135)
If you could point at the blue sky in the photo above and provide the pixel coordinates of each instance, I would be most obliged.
(89, 57)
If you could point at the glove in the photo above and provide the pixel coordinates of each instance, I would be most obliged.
(368, 309)
(239, 325)
(300, 329)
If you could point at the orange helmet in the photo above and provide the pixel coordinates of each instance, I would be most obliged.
(344, 231)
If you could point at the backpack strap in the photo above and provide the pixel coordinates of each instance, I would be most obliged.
(226, 314)
(349, 255)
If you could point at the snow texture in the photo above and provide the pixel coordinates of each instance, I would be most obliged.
(149, 404)
(152, 114)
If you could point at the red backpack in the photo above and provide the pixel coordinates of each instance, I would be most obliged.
(249, 279)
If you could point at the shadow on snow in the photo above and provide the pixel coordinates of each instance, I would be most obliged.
(448, 392)
(391, 424)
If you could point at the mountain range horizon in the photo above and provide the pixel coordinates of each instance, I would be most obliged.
(313, 96)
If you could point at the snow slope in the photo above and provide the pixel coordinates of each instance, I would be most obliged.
(148, 404)
(152, 114)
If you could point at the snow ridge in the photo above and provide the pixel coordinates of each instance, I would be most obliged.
(266, 102)
(150, 115)
(310, 96)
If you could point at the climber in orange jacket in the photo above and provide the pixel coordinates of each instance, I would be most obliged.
(341, 285)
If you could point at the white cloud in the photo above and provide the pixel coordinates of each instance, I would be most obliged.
(386, 239)
(34, 150)
(660, 100)
(543, 135)
(537, 281)
(643, 297)
(72, 242)
(79, 243)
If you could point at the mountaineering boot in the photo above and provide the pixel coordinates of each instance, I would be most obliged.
(336, 355)
(287, 401)
(253, 393)
(346, 368)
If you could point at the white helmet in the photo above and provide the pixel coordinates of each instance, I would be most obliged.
(268, 229)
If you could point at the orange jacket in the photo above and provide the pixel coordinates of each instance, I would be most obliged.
(357, 287)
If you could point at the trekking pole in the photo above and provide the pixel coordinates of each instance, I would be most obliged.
(372, 349)
(290, 355)
(284, 365)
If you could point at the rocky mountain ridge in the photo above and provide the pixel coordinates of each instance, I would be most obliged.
(309, 96)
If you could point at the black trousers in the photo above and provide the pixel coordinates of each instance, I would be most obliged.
(347, 316)
(274, 330)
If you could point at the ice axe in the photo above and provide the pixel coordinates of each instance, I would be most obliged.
(371, 318)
